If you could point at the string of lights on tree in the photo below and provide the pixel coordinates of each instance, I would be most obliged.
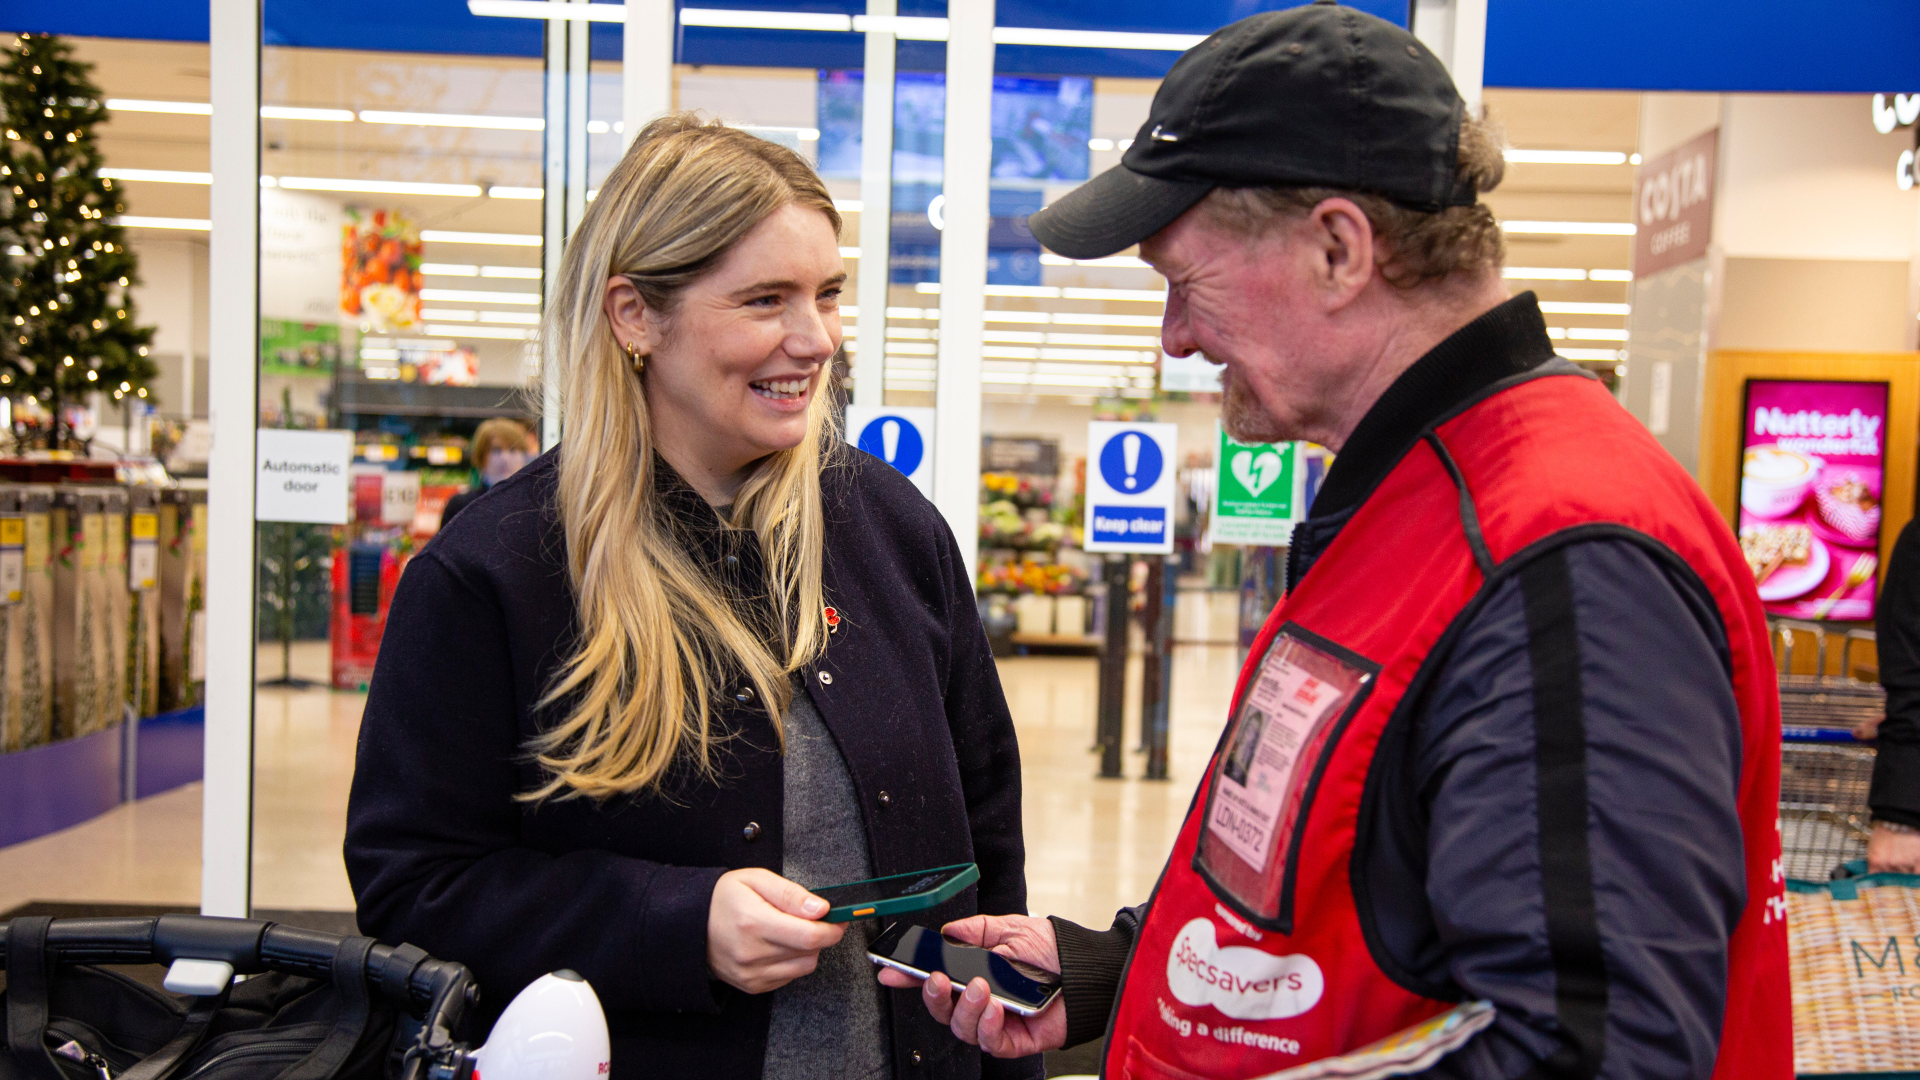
(65, 272)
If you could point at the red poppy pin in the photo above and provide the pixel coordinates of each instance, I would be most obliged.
(833, 619)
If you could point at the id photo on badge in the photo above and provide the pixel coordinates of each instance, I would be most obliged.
(1286, 726)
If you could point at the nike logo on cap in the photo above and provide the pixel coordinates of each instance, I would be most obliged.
(1158, 135)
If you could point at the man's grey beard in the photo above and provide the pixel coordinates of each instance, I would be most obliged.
(1242, 414)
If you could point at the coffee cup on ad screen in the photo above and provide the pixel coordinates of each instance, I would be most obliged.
(1774, 482)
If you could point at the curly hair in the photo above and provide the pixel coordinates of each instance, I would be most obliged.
(1422, 247)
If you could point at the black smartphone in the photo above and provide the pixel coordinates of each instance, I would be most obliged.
(920, 952)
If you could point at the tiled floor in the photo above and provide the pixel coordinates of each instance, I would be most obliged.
(1092, 845)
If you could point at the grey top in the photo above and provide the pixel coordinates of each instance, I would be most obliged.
(833, 1023)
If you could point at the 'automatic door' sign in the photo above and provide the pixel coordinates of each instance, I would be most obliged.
(1130, 487)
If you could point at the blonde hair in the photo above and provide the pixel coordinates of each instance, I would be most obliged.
(499, 433)
(657, 635)
(1422, 247)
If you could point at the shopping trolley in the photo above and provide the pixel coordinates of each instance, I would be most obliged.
(1825, 770)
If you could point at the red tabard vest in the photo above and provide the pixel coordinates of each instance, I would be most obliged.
(1240, 971)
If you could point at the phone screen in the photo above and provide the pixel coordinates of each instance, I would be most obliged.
(928, 951)
(886, 888)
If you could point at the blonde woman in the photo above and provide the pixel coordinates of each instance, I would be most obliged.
(700, 657)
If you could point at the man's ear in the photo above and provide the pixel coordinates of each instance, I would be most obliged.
(633, 322)
(1342, 239)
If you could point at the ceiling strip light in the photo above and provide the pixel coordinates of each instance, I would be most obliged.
(201, 108)
(466, 296)
(443, 236)
(459, 120)
(1589, 354)
(1543, 273)
(1083, 318)
(908, 27)
(378, 187)
(1094, 39)
(1563, 307)
(132, 221)
(1151, 296)
(294, 112)
(498, 192)
(185, 108)
(503, 332)
(1048, 258)
(1610, 275)
(1567, 157)
(1571, 228)
(158, 176)
(536, 9)
(847, 206)
(733, 19)
(1595, 333)
(525, 273)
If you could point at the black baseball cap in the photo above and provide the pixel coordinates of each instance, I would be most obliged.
(1320, 95)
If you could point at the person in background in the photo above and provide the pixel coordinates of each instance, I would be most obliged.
(501, 447)
(697, 659)
(1895, 794)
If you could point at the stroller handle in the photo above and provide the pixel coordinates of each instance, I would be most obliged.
(406, 977)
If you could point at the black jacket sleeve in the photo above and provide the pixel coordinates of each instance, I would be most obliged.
(433, 852)
(1091, 964)
(1579, 763)
(1895, 794)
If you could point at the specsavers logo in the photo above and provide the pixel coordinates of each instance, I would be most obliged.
(1242, 982)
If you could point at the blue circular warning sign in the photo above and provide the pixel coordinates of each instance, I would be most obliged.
(893, 440)
(1130, 463)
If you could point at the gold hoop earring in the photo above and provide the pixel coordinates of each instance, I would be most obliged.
(635, 357)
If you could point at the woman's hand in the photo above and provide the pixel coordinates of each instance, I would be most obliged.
(1890, 852)
(975, 1017)
(763, 930)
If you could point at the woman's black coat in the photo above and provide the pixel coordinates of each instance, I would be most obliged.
(442, 856)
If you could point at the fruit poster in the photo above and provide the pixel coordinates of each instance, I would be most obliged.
(380, 271)
(1812, 468)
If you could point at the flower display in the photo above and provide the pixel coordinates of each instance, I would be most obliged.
(1049, 579)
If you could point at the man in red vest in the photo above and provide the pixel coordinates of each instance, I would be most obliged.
(1501, 770)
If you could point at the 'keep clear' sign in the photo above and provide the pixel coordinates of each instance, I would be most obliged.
(302, 476)
(1130, 486)
(903, 438)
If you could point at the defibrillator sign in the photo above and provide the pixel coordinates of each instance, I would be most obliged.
(1130, 486)
(1259, 491)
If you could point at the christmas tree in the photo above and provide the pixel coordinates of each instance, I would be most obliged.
(66, 276)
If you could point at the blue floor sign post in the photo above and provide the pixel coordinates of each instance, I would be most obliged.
(1130, 487)
(903, 438)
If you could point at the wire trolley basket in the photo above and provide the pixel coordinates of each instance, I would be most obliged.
(1824, 770)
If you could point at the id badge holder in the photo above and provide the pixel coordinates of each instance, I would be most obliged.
(1289, 722)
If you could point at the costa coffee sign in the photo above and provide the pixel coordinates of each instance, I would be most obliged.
(1673, 206)
(1890, 113)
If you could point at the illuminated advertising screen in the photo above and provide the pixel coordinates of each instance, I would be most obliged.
(1812, 469)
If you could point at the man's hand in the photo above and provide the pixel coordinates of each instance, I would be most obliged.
(762, 930)
(976, 1018)
(1890, 852)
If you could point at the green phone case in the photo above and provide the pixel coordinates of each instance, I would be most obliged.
(911, 902)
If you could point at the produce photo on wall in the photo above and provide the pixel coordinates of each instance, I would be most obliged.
(1811, 475)
(380, 271)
